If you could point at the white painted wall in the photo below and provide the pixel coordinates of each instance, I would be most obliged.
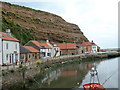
(54, 48)
(0, 51)
(94, 49)
(11, 53)
(46, 51)
(54, 51)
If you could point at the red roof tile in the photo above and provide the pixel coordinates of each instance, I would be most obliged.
(88, 43)
(45, 45)
(36, 43)
(41, 44)
(5, 37)
(67, 46)
(31, 49)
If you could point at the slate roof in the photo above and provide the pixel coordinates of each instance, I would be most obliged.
(24, 50)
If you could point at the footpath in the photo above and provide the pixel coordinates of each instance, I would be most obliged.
(60, 59)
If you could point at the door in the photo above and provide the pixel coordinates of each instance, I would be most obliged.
(12, 59)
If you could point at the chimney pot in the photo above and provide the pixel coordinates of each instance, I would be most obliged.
(47, 41)
(7, 30)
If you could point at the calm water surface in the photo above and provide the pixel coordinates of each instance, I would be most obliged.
(75, 75)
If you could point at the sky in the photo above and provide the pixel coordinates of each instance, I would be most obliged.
(97, 19)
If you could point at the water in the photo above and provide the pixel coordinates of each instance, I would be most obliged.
(108, 70)
(77, 74)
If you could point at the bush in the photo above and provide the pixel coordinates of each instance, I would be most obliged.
(38, 62)
(24, 68)
(12, 71)
(20, 66)
(36, 19)
(11, 13)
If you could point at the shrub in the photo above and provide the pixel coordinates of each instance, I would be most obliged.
(20, 66)
(37, 19)
(3, 12)
(38, 62)
(24, 68)
(12, 71)
(11, 13)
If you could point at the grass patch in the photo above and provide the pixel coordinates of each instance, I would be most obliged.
(12, 71)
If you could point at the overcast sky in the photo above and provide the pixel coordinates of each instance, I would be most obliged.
(98, 19)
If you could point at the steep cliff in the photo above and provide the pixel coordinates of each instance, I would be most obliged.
(26, 24)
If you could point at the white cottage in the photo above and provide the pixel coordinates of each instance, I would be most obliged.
(55, 49)
(45, 50)
(10, 48)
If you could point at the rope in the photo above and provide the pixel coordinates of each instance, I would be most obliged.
(108, 78)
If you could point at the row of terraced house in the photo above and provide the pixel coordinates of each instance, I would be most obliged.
(11, 51)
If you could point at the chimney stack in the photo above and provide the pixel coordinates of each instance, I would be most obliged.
(8, 32)
(47, 41)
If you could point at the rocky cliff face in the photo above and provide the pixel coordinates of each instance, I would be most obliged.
(38, 25)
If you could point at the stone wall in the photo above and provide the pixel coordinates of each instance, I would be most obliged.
(14, 77)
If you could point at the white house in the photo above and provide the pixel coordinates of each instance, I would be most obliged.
(10, 48)
(55, 49)
(94, 48)
(91, 47)
(45, 50)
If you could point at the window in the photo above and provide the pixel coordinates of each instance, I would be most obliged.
(48, 54)
(6, 45)
(15, 46)
(33, 55)
(7, 57)
(29, 56)
(16, 55)
(43, 54)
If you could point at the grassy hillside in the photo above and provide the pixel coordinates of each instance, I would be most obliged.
(28, 24)
(17, 31)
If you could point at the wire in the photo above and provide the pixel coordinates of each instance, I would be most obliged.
(108, 78)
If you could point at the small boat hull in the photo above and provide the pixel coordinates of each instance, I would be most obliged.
(93, 86)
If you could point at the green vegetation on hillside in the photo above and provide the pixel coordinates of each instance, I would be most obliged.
(27, 23)
(20, 33)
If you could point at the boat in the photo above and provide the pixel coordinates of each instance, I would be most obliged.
(92, 85)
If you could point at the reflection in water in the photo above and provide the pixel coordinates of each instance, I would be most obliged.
(76, 75)
(51, 76)
(67, 76)
(108, 73)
